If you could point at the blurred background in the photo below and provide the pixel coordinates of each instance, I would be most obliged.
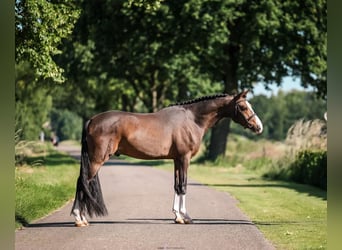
(78, 58)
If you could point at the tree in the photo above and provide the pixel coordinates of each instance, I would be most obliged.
(135, 56)
(91, 87)
(66, 124)
(143, 65)
(277, 117)
(40, 27)
(33, 103)
(243, 42)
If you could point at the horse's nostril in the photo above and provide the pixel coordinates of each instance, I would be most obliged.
(259, 130)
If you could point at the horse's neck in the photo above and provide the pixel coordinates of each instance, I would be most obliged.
(208, 113)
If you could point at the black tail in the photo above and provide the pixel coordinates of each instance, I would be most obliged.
(88, 192)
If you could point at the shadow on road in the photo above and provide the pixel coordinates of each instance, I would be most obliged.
(200, 221)
(52, 224)
(144, 221)
(123, 161)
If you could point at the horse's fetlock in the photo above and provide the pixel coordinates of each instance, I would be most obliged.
(180, 190)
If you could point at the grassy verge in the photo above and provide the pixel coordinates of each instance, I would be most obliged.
(290, 215)
(43, 184)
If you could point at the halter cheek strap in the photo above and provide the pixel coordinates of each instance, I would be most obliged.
(237, 109)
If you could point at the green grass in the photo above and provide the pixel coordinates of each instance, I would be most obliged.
(290, 215)
(42, 185)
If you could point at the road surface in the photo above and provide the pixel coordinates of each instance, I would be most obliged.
(139, 201)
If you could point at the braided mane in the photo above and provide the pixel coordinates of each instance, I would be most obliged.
(200, 99)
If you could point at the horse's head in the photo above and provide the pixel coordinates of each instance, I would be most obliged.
(244, 114)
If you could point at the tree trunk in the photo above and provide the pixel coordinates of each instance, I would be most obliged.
(154, 100)
(219, 133)
(124, 100)
(218, 139)
(154, 92)
(182, 90)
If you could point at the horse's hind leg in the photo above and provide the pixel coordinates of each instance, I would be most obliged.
(80, 219)
(93, 158)
(78, 213)
(101, 151)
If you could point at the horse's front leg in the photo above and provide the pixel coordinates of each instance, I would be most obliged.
(179, 206)
(179, 209)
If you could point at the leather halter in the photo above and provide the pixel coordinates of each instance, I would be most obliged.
(237, 109)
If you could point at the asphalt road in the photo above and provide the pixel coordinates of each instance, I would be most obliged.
(139, 201)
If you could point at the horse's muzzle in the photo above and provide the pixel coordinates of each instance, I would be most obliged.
(258, 130)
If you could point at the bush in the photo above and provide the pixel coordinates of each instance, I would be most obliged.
(66, 124)
(310, 167)
(306, 155)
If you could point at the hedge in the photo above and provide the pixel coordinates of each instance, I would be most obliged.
(310, 167)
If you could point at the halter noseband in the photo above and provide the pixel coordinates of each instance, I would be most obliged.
(237, 108)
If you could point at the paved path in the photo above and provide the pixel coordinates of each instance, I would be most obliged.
(139, 201)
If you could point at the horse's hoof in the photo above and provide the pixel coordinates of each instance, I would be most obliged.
(81, 224)
(188, 221)
(179, 221)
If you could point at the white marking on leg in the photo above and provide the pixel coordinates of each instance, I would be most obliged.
(187, 219)
(80, 219)
(76, 211)
(77, 215)
(176, 207)
(84, 219)
(182, 204)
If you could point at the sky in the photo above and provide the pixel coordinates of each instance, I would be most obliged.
(288, 84)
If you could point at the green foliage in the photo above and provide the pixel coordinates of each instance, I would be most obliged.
(162, 54)
(305, 159)
(242, 42)
(40, 27)
(149, 5)
(33, 103)
(143, 55)
(310, 168)
(66, 124)
(277, 117)
(23, 150)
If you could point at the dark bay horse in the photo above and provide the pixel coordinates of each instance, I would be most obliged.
(174, 132)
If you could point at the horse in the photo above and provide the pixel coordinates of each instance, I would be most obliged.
(174, 132)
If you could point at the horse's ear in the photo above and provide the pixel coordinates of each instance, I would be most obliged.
(242, 94)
